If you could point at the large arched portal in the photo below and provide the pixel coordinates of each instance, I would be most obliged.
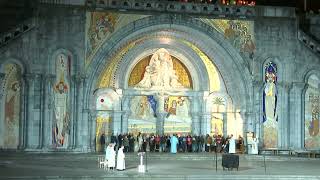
(168, 77)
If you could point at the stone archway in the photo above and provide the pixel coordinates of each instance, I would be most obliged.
(12, 121)
(230, 64)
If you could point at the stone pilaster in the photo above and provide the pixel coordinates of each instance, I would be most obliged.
(283, 120)
(257, 108)
(77, 85)
(205, 123)
(2, 75)
(160, 122)
(92, 130)
(126, 108)
(195, 129)
(47, 115)
(195, 115)
(125, 117)
(225, 121)
(30, 125)
(116, 124)
(296, 117)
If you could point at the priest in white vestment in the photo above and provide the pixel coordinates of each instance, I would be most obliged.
(111, 156)
(255, 143)
(232, 145)
(120, 159)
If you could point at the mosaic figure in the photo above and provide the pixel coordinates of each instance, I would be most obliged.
(270, 116)
(61, 101)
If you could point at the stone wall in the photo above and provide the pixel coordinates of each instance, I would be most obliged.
(63, 29)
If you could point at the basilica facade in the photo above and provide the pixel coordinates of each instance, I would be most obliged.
(78, 74)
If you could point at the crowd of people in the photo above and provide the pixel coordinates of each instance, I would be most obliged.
(179, 143)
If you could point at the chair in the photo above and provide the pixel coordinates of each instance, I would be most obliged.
(103, 163)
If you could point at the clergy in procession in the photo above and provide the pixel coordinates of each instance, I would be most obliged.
(111, 156)
(174, 141)
(232, 145)
(120, 159)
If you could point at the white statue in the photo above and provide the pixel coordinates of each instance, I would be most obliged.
(160, 73)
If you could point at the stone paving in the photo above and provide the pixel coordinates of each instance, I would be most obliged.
(159, 166)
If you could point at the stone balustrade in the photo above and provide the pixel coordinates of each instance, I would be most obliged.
(153, 6)
(14, 33)
(63, 2)
(308, 41)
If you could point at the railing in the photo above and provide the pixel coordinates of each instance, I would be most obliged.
(163, 6)
(312, 44)
(14, 33)
(63, 2)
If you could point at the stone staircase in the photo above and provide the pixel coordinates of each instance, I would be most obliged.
(16, 18)
(17, 31)
(306, 37)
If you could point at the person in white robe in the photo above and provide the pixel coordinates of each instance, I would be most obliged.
(255, 143)
(174, 141)
(232, 145)
(120, 159)
(111, 156)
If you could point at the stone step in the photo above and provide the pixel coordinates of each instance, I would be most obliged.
(168, 177)
(157, 156)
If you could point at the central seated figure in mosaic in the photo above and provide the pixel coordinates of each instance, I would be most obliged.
(159, 74)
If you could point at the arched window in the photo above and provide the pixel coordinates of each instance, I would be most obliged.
(9, 127)
(61, 120)
(312, 109)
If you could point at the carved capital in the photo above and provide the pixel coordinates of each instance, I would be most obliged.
(257, 83)
(29, 78)
(50, 78)
(206, 115)
(78, 78)
(195, 114)
(299, 86)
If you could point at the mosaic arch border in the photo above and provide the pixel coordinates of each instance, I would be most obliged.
(203, 36)
(23, 99)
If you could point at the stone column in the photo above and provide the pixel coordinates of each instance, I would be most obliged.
(161, 116)
(2, 75)
(30, 124)
(283, 113)
(47, 116)
(125, 117)
(257, 109)
(196, 130)
(24, 94)
(205, 123)
(77, 85)
(296, 116)
(92, 130)
(116, 123)
(195, 116)
(126, 108)
(225, 122)
(2, 98)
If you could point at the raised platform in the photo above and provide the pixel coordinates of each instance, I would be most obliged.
(159, 166)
